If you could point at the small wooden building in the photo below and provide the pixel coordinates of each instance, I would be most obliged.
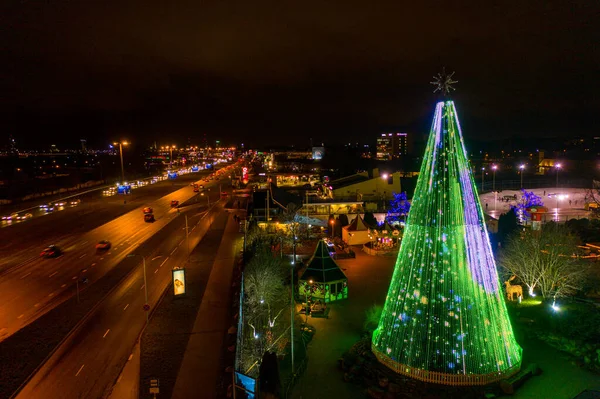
(323, 279)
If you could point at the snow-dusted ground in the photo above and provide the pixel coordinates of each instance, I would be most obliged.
(562, 203)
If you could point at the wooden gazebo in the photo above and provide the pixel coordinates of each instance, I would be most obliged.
(323, 279)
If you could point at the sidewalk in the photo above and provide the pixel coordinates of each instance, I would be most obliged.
(164, 341)
(199, 372)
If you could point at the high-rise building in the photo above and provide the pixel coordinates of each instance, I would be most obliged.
(392, 146)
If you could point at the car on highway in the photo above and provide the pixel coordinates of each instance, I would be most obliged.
(174, 203)
(224, 193)
(49, 208)
(147, 210)
(149, 217)
(75, 202)
(10, 217)
(24, 216)
(51, 251)
(59, 204)
(103, 245)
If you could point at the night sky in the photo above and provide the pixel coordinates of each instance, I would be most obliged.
(276, 73)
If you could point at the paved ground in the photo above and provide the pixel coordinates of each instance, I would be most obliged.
(368, 280)
(570, 204)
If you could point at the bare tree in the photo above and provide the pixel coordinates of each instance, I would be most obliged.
(265, 299)
(547, 261)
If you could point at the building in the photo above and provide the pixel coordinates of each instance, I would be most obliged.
(392, 146)
(361, 187)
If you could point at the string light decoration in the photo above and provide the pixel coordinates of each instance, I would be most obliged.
(444, 319)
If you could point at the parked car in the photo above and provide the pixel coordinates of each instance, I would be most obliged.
(51, 251)
(103, 245)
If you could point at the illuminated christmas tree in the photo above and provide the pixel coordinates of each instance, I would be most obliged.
(444, 319)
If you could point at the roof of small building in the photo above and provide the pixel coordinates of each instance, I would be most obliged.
(322, 268)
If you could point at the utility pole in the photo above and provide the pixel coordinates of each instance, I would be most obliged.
(482, 175)
(292, 313)
(187, 236)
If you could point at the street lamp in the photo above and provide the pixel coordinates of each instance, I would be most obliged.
(482, 175)
(494, 167)
(170, 148)
(521, 167)
(145, 283)
(558, 166)
(121, 144)
(207, 197)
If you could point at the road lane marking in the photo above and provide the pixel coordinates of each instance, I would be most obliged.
(74, 278)
(51, 294)
(180, 243)
(102, 258)
(4, 329)
(142, 287)
(85, 242)
(63, 286)
(36, 305)
(172, 252)
(20, 317)
(53, 274)
(126, 306)
(155, 271)
(25, 276)
(106, 333)
(165, 261)
(130, 356)
(84, 270)
(93, 264)
(80, 368)
(82, 256)
(156, 257)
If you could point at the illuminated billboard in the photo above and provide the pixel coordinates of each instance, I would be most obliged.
(318, 153)
(178, 282)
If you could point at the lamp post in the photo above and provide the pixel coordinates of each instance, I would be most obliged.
(558, 166)
(292, 311)
(494, 167)
(522, 167)
(384, 177)
(207, 197)
(121, 144)
(482, 175)
(170, 148)
(145, 283)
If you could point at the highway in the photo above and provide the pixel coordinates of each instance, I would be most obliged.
(32, 287)
(90, 360)
(23, 241)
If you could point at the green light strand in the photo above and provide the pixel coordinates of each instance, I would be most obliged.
(444, 319)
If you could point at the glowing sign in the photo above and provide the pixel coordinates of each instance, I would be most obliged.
(178, 282)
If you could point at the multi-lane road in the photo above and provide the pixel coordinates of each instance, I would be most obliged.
(88, 363)
(30, 286)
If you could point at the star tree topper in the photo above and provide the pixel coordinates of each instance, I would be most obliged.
(443, 82)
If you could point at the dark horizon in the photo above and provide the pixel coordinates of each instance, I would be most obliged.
(269, 74)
